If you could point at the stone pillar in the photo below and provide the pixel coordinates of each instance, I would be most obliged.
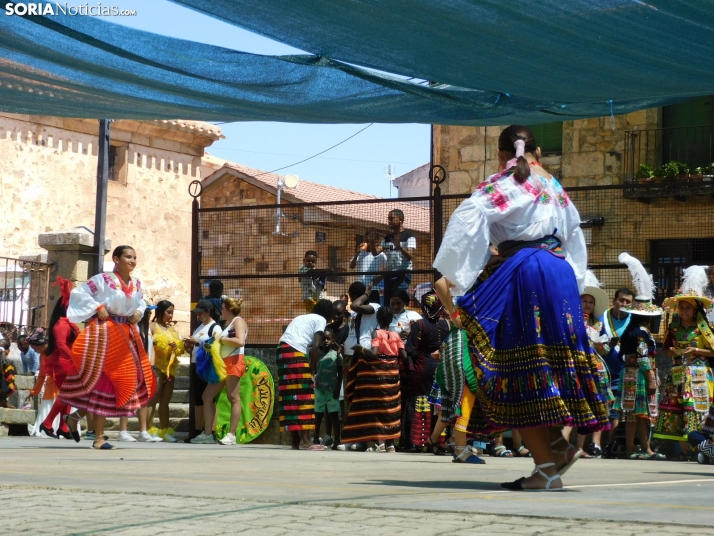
(70, 250)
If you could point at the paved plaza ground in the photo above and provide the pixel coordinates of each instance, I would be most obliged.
(59, 487)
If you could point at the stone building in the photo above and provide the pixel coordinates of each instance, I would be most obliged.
(48, 183)
(665, 224)
(248, 243)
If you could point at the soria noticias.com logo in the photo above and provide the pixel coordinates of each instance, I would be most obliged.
(56, 8)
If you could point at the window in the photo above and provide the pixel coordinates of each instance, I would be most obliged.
(688, 129)
(671, 257)
(549, 137)
(117, 163)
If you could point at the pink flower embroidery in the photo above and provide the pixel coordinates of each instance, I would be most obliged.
(495, 195)
(92, 287)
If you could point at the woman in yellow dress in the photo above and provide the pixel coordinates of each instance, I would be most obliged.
(168, 346)
(689, 389)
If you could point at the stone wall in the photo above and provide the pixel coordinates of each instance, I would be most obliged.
(48, 182)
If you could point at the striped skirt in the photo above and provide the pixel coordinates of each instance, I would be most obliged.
(374, 399)
(113, 375)
(296, 397)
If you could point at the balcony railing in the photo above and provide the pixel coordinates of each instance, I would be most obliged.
(692, 147)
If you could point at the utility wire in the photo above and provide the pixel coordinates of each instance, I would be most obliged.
(315, 155)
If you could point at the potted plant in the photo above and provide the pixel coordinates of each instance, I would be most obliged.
(682, 171)
(644, 173)
(658, 173)
(670, 170)
(697, 175)
(708, 172)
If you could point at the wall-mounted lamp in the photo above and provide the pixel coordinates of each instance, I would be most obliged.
(290, 182)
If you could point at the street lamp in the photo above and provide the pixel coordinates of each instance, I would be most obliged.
(290, 182)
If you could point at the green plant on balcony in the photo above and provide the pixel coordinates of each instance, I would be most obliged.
(697, 174)
(674, 170)
(644, 173)
(708, 172)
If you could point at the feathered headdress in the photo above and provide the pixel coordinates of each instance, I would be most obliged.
(592, 288)
(694, 282)
(644, 287)
(65, 286)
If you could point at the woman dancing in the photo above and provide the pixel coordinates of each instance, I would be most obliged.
(689, 388)
(113, 375)
(529, 348)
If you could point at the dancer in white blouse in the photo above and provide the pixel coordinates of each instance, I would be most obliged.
(521, 308)
(114, 376)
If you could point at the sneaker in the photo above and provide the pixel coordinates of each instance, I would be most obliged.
(146, 437)
(342, 446)
(228, 439)
(167, 435)
(90, 435)
(327, 442)
(125, 436)
(204, 439)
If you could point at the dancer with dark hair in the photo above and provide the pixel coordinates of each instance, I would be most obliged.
(57, 362)
(113, 375)
(168, 346)
(296, 398)
(689, 389)
(523, 316)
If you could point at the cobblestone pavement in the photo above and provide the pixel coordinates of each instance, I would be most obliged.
(57, 487)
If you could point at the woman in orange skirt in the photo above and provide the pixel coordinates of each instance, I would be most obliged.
(113, 375)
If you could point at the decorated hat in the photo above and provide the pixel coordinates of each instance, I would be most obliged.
(693, 284)
(592, 288)
(644, 287)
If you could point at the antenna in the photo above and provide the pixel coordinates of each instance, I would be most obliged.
(389, 175)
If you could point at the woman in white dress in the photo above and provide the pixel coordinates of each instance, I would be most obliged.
(114, 376)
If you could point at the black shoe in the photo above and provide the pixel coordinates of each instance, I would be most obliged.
(66, 435)
(49, 432)
(73, 434)
(594, 450)
(516, 485)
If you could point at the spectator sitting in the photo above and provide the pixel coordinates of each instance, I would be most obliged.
(7, 377)
(30, 358)
(399, 247)
(313, 283)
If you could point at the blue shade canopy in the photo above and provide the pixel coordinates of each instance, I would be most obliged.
(551, 50)
(86, 67)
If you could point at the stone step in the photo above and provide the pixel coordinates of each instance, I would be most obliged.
(181, 383)
(179, 396)
(112, 424)
(17, 416)
(24, 382)
(18, 398)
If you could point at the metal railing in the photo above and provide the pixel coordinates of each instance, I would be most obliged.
(692, 146)
(24, 287)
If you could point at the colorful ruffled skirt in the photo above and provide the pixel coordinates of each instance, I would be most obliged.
(296, 397)
(632, 399)
(113, 375)
(529, 348)
(688, 395)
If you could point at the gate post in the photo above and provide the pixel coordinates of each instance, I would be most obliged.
(437, 175)
(194, 190)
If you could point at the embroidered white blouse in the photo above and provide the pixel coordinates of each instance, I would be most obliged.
(104, 289)
(502, 209)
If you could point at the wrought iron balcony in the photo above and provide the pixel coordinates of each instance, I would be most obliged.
(669, 162)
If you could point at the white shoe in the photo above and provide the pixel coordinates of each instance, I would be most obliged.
(125, 436)
(146, 437)
(204, 439)
(229, 439)
(342, 446)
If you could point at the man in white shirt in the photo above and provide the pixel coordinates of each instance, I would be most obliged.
(399, 247)
(365, 260)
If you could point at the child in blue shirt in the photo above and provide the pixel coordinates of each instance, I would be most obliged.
(30, 358)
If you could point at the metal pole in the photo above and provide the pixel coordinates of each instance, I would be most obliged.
(100, 212)
(278, 212)
(194, 190)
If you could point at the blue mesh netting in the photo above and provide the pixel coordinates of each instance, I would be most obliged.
(494, 62)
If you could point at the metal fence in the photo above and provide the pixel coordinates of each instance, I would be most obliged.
(259, 262)
(24, 289)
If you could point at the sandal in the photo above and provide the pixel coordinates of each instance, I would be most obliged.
(569, 463)
(435, 448)
(502, 452)
(377, 448)
(316, 447)
(657, 456)
(638, 456)
(103, 446)
(517, 485)
(391, 449)
(520, 454)
(466, 456)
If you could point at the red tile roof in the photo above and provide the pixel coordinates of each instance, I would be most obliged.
(416, 218)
